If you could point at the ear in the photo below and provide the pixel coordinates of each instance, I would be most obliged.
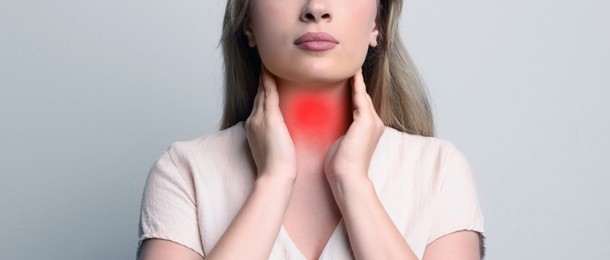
(249, 33)
(374, 34)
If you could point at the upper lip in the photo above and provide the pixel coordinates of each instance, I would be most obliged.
(315, 37)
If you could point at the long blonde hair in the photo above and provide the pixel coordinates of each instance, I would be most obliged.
(392, 80)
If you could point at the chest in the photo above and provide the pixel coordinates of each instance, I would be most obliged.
(312, 215)
(309, 229)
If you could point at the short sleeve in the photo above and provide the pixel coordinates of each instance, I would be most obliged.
(169, 210)
(456, 206)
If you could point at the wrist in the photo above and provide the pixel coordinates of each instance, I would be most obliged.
(286, 172)
(356, 183)
(269, 179)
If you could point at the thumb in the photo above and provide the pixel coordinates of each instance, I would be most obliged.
(331, 154)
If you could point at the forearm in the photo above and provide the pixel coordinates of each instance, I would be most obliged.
(254, 229)
(372, 233)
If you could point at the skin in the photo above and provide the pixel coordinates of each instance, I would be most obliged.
(350, 22)
(312, 174)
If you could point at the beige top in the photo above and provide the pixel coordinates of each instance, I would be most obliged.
(197, 187)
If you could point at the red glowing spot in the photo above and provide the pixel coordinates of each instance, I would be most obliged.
(316, 120)
(312, 113)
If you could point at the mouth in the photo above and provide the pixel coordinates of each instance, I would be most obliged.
(316, 41)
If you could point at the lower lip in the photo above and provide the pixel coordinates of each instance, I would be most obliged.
(317, 45)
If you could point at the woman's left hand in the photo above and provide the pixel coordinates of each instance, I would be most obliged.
(350, 156)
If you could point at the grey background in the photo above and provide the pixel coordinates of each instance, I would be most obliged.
(92, 92)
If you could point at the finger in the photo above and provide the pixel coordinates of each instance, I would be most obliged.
(331, 153)
(254, 103)
(272, 100)
(359, 92)
(358, 81)
(368, 97)
(371, 105)
(259, 100)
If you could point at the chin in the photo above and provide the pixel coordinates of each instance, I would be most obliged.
(318, 79)
(314, 70)
(318, 76)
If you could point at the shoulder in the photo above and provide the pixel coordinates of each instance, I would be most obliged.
(417, 145)
(431, 161)
(439, 164)
(205, 156)
(215, 143)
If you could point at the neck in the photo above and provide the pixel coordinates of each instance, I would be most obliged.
(315, 115)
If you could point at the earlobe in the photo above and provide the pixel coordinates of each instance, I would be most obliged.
(374, 35)
(248, 32)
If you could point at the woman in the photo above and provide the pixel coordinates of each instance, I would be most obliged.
(335, 159)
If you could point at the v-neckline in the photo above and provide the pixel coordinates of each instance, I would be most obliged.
(326, 247)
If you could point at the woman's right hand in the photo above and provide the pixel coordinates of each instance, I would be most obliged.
(268, 137)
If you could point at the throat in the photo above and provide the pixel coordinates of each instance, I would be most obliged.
(316, 118)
